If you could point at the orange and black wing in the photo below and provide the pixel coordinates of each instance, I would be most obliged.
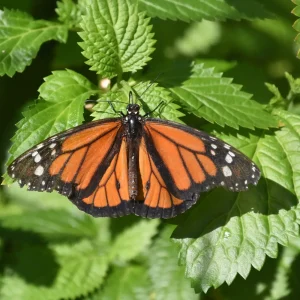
(178, 162)
(88, 164)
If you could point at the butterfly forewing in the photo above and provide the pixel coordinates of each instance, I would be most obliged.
(68, 162)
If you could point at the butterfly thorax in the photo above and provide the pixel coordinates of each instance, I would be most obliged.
(132, 121)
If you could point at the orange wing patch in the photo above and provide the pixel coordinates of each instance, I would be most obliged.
(58, 164)
(181, 153)
(155, 191)
(87, 136)
(113, 186)
(179, 136)
(96, 153)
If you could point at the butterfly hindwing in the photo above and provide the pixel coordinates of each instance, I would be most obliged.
(157, 200)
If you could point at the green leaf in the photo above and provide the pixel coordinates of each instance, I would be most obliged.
(53, 225)
(288, 141)
(116, 38)
(147, 95)
(21, 37)
(215, 98)
(196, 10)
(168, 280)
(296, 25)
(228, 233)
(70, 13)
(75, 270)
(132, 284)
(277, 101)
(132, 241)
(65, 92)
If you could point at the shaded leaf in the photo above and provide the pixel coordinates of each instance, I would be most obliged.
(133, 240)
(116, 38)
(77, 270)
(168, 279)
(296, 25)
(191, 10)
(70, 12)
(53, 225)
(132, 284)
(21, 37)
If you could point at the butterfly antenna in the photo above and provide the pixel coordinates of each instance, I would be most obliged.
(130, 99)
(149, 86)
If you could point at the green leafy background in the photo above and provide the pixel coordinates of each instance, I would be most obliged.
(227, 67)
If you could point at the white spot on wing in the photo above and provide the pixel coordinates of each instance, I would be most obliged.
(228, 159)
(37, 158)
(43, 182)
(34, 153)
(214, 146)
(13, 175)
(39, 170)
(52, 145)
(222, 182)
(213, 152)
(231, 153)
(226, 171)
(40, 146)
(53, 152)
(226, 146)
(246, 181)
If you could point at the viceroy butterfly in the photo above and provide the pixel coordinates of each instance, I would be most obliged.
(133, 164)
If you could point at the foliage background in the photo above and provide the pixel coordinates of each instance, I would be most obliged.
(50, 250)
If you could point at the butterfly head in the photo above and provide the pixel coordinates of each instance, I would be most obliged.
(133, 109)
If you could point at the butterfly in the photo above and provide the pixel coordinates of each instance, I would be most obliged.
(133, 164)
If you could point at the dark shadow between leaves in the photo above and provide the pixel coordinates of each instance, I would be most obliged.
(257, 285)
(29, 256)
(216, 208)
(293, 280)
(250, 9)
(168, 74)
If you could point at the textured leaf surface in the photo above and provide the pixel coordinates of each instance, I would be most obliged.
(69, 272)
(196, 10)
(116, 38)
(149, 101)
(215, 98)
(227, 233)
(21, 37)
(132, 241)
(70, 12)
(166, 276)
(65, 92)
(131, 283)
